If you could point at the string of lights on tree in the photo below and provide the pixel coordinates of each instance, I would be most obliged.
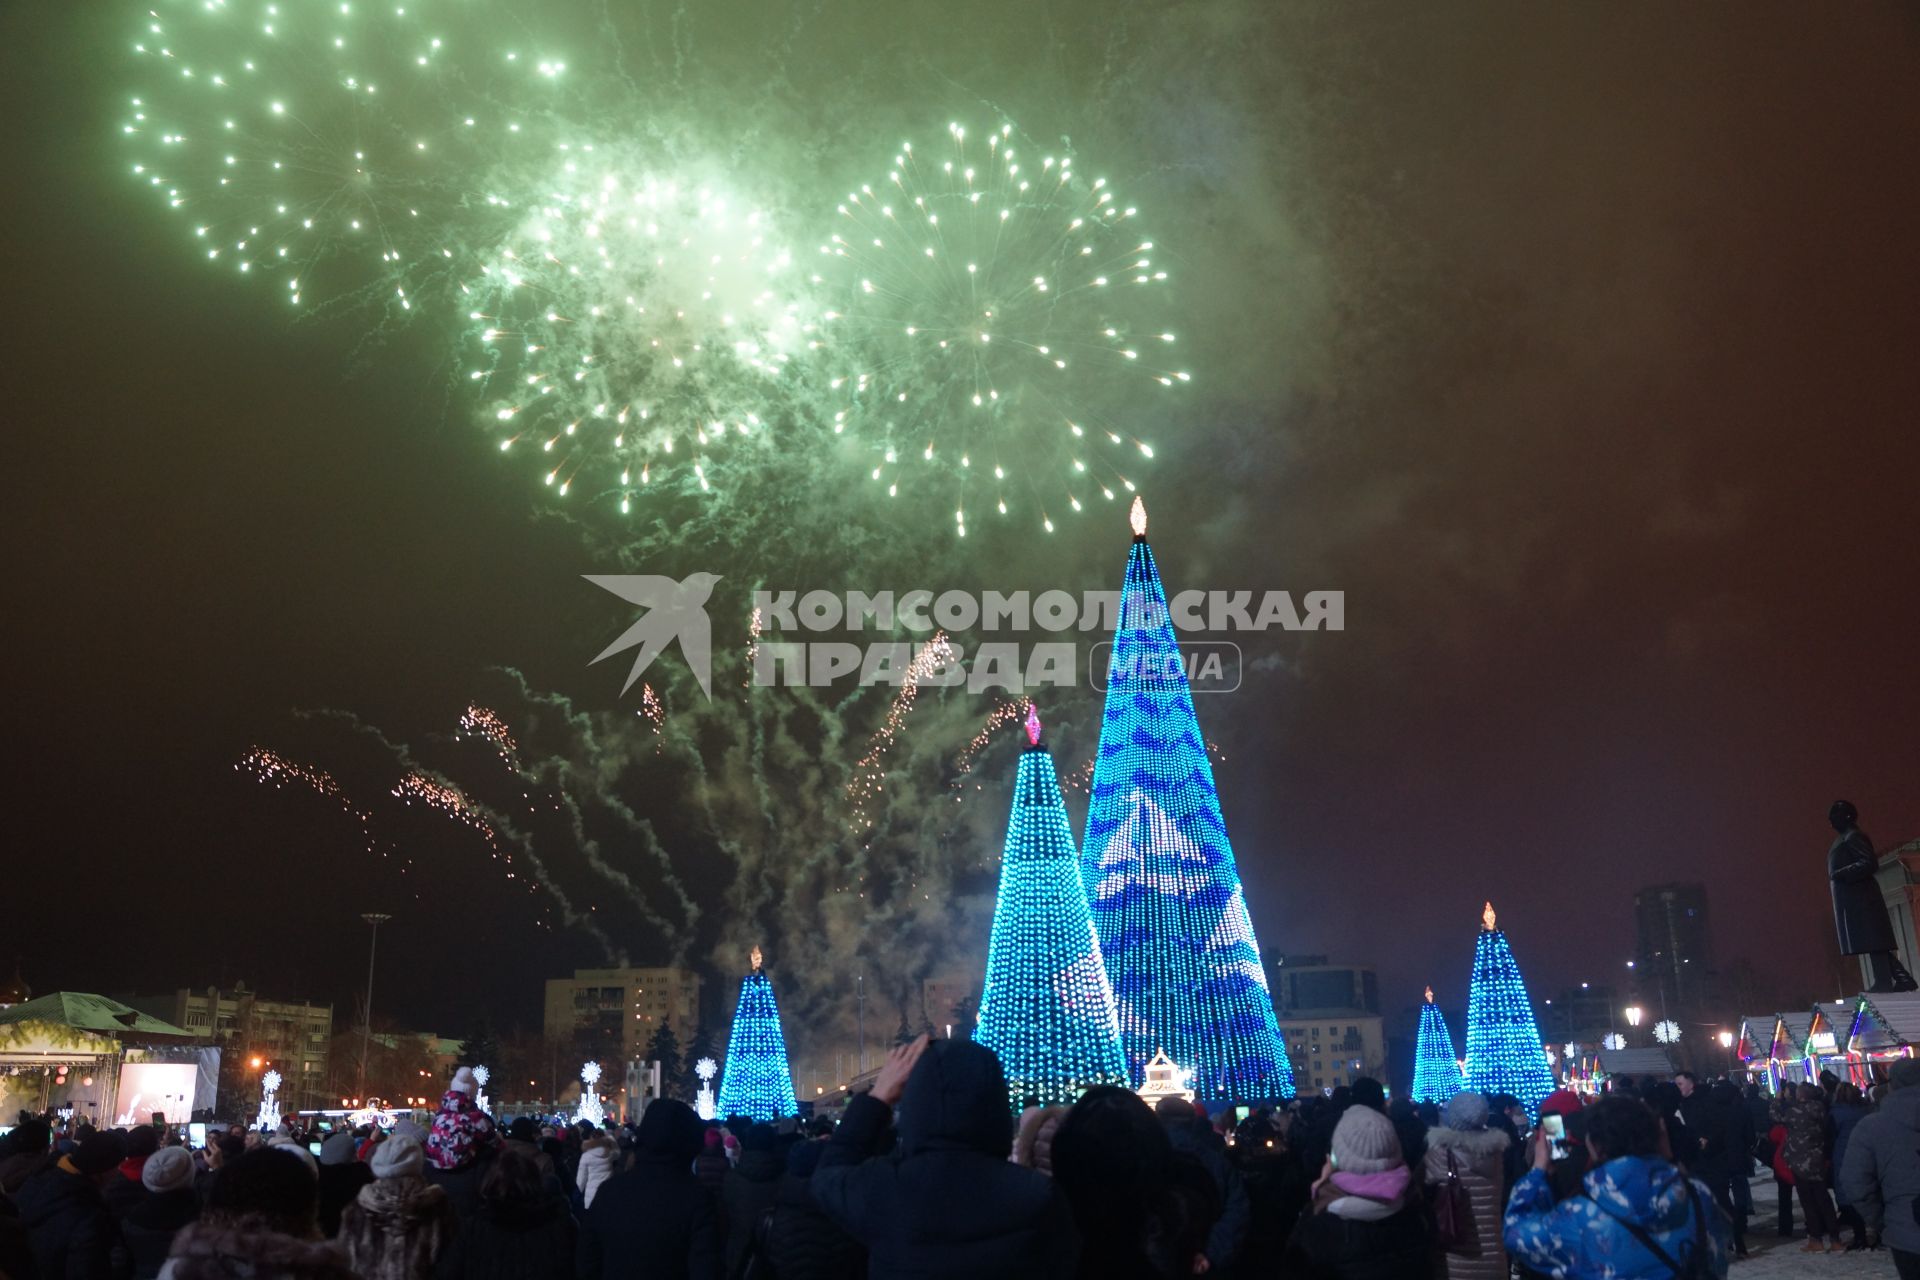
(1160, 873)
(756, 1080)
(1503, 1041)
(1046, 1007)
(1436, 1071)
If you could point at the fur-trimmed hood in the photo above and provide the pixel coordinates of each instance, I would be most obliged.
(239, 1249)
(1468, 1144)
(398, 1203)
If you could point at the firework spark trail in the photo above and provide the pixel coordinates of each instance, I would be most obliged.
(564, 775)
(483, 722)
(502, 825)
(273, 769)
(870, 773)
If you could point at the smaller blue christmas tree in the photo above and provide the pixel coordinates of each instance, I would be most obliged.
(757, 1081)
(1504, 1050)
(1047, 1009)
(1436, 1072)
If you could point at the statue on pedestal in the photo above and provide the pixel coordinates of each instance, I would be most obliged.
(1859, 912)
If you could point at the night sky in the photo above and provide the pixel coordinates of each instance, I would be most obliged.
(1575, 344)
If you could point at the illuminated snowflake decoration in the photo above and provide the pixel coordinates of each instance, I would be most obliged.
(706, 1068)
(270, 1082)
(1613, 1040)
(1571, 1049)
(481, 1075)
(590, 1073)
(1666, 1031)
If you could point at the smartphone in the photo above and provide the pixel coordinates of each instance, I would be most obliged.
(1556, 1131)
(197, 1135)
(314, 1147)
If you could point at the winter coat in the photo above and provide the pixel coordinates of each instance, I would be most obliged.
(396, 1228)
(803, 1243)
(1859, 912)
(16, 1253)
(1846, 1118)
(746, 1196)
(74, 1236)
(1229, 1232)
(340, 1184)
(946, 1201)
(1881, 1176)
(461, 1132)
(463, 1185)
(1346, 1236)
(151, 1224)
(247, 1250)
(655, 1220)
(711, 1166)
(1585, 1236)
(511, 1242)
(1805, 1151)
(125, 1190)
(1479, 1161)
(21, 1165)
(596, 1166)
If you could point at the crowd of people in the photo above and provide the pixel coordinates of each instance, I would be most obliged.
(927, 1174)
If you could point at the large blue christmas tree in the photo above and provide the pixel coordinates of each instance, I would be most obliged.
(1160, 874)
(1047, 1008)
(756, 1080)
(1436, 1072)
(1504, 1050)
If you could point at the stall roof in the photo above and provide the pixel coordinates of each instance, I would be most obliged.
(1886, 1021)
(1792, 1032)
(1756, 1032)
(1636, 1062)
(96, 1015)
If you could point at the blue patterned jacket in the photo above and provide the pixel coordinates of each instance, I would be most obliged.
(1583, 1238)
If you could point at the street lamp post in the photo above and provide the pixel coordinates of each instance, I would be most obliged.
(1633, 1012)
(376, 919)
(1726, 1046)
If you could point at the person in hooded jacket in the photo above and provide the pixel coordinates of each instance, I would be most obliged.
(597, 1158)
(1720, 1122)
(520, 1230)
(1640, 1219)
(1033, 1140)
(1881, 1176)
(122, 1193)
(747, 1193)
(341, 1177)
(170, 1203)
(802, 1243)
(1144, 1211)
(1849, 1109)
(1192, 1135)
(1366, 1220)
(1804, 1113)
(68, 1224)
(946, 1201)
(261, 1221)
(397, 1226)
(654, 1220)
(25, 1152)
(1466, 1149)
(460, 1141)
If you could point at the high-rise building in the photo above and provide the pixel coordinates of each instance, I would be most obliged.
(288, 1036)
(1329, 1019)
(1674, 955)
(612, 1013)
(1160, 874)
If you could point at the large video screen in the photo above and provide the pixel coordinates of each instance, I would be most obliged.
(147, 1087)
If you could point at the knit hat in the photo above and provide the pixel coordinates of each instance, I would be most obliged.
(1466, 1111)
(168, 1169)
(98, 1152)
(1364, 1142)
(463, 1082)
(299, 1152)
(399, 1158)
(1904, 1074)
(408, 1129)
(1562, 1102)
(524, 1130)
(338, 1148)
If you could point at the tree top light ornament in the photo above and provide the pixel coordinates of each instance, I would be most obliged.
(757, 1081)
(1436, 1071)
(1046, 1007)
(1159, 869)
(1503, 1041)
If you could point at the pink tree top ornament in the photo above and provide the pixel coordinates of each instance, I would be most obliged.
(1033, 724)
